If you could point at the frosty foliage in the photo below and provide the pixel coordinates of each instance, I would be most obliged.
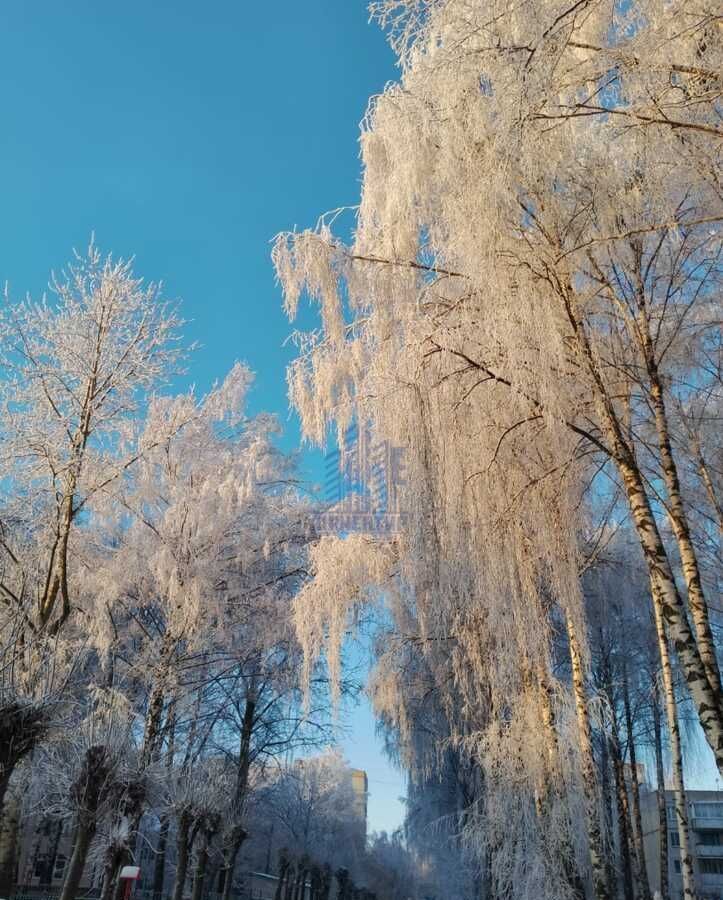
(531, 286)
(150, 548)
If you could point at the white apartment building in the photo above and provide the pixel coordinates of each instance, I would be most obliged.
(705, 820)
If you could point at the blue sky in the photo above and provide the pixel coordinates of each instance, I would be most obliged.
(188, 135)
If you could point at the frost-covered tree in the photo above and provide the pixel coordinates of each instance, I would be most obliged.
(77, 368)
(524, 310)
(150, 548)
(316, 825)
(202, 549)
(82, 775)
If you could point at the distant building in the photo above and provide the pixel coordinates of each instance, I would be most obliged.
(705, 822)
(360, 786)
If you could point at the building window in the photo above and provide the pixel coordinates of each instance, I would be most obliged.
(712, 866)
(674, 839)
(710, 838)
(60, 861)
(709, 810)
(676, 866)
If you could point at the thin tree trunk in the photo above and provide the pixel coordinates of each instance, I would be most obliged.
(159, 867)
(662, 808)
(668, 604)
(623, 813)
(9, 827)
(110, 868)
(597, 864)
(641, 874)
(200, 874)
(235, 840)
(679, 520)
(182, 848)
(670, 615)
(708, 484)
(5, 775)
(621, 797)
(237, 834)
(83, 838)
(112, 885)
(681, 812)
(569, 863)
(283, 870)
(608, 816)
(209, 827)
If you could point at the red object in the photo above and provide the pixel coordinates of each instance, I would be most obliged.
(129, 874)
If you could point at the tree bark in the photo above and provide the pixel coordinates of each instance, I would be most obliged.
(681, 812)
(9, 826)
(708, 485)
(621, 797)
(83, 839)
(679, 520)
(667, 602)
(623, 813)
(237, 835)
(209, 827)
(110, 871)
(159, 867)
(641, 873)
(284, 865)
(597, 863)
(662, 808)
(670, 614)
(235, 841)
(182, 848)
(569, 863)
(608, 816)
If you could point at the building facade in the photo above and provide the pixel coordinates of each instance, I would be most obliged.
(360, 787)
(705, 822)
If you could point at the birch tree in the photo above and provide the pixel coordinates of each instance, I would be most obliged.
(521, 308)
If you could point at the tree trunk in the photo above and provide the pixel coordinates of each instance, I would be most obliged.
(237, 835)
(182, 848)
(662, 809)
(280, 883)
(668, 604)
(209, 827)
(235, 841)
(623, 816)
(200, 875)
(132, 809)
(597, 864)
(608, 817)
(159, 867)
(83, 838)
(679, 520)
(708, 485)
(9, 827)
(670, 613)
(641, 873)
(20, 730)
(681, 812)
(568, 861)
(110, 868)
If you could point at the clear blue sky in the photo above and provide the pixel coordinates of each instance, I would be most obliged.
(189, 134)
